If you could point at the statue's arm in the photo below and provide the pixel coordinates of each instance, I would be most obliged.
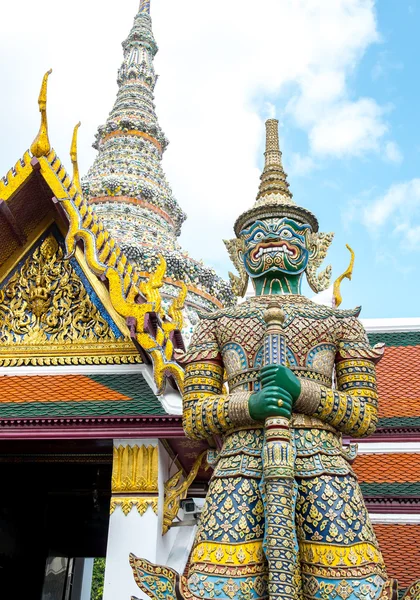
(207, 410)
(352, 407)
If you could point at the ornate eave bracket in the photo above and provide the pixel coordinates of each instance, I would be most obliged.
(176, 490)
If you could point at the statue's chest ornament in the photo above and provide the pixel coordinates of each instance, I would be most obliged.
(311, 347)
(322, 358)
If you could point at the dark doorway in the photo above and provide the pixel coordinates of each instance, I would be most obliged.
(54, 502)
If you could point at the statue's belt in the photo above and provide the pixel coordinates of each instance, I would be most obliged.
(250, 376)
(297, 421)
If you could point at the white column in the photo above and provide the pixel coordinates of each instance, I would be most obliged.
(140, 471)
(165, 542)
(133, 524)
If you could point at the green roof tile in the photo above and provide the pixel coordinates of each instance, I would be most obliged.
(398, 338)
(133, 385)
(141, 401)
(103, 408)
(391, 489)
(388, 422)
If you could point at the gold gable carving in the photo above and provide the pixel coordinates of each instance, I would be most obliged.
(47, 317)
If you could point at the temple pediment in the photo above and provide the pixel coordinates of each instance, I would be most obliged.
(54, 312)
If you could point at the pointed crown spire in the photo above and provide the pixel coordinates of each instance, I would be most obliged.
(273, 178)
(274, 198)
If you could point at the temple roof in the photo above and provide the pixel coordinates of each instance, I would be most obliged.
(400, 546)
(401, 391)
(69, 296)
(398, 375)
(389, 476)
(119, 394)
(388, 468)
(39, 194)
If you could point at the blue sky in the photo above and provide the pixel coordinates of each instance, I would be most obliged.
(386, 278)
(343, 190)
(340, 75)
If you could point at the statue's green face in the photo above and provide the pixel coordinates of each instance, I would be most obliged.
(275, 245)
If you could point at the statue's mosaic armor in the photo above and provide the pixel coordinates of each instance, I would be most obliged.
(328, 349)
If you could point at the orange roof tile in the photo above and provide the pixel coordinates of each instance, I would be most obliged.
(400, 546)
(54, 388)
(399, 382)
(388, 468)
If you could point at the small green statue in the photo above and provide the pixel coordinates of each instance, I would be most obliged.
(326, 386)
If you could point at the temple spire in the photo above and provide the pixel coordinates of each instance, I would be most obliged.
(144, 6)
(273, 178)
(126, 183)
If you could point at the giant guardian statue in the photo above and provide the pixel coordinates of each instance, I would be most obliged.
(284, 516)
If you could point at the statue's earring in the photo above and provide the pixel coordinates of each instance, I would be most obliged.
(318, 244)
(239, 284)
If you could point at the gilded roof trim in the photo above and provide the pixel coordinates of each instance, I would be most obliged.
(16, 177)
(107, 261)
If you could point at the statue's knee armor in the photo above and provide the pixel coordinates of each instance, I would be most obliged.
(227, 560)
(339, 554)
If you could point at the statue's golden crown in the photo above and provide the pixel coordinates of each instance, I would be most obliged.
(274, 197)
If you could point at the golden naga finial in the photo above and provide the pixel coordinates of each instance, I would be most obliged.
(41, 144)
(346, 275)
(73, 157)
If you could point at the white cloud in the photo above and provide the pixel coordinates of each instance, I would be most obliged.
(393, 153)
(413, 237)
(221, 69)
(400, 203)
(349, 128)
(301, 165)
(397, 212)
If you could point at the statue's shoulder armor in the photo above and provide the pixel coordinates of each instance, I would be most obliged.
(303, 307)
(344, 314)
(245, 309)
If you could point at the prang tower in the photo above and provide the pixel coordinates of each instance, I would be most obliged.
(127, 185)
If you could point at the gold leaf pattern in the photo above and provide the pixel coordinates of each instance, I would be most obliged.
(135, 469)
(46, 302)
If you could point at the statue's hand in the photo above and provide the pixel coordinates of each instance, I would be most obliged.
(282, 377)
(271, 401)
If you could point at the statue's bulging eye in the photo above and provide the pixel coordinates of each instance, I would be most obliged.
(259, 236)
(286, 233)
